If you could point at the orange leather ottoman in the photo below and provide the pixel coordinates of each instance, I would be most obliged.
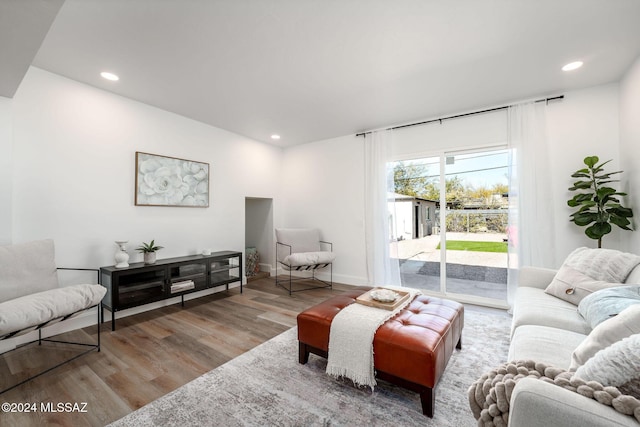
(411, 349)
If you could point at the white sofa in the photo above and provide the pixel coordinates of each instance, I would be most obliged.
(547, 329)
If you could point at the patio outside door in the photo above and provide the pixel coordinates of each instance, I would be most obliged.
(449, 219)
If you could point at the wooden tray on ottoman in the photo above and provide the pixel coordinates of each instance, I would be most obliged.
(367, 300)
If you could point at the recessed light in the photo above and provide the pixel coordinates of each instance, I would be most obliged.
(274, 136)
(109, 76)
(572, 66)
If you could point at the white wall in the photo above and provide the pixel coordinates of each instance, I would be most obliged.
(487, 129)
(6, 133)
(323, 182)
(584, 124)
(74, 172)
(322, 186)
(630, 149)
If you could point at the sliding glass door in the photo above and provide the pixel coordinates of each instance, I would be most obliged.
(449, 218)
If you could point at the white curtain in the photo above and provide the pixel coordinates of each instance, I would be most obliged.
(381, 268)
(531, 230)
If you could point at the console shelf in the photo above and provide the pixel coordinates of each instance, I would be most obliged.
(141, 283)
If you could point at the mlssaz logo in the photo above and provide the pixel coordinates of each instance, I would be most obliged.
(63, 407)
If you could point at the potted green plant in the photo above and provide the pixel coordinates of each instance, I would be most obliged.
(598, 204)
(149, 251)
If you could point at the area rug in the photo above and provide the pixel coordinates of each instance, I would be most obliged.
(268, 387)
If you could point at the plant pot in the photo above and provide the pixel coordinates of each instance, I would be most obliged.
(149, 257)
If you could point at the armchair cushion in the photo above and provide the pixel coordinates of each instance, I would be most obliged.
(35, 309)
(301, 240)
(309, 258)
(27, 268)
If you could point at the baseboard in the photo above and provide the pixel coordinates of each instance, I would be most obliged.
(265, 267)
(326, 275)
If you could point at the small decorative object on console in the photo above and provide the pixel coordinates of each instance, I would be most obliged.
(122, 257)
(149, 251)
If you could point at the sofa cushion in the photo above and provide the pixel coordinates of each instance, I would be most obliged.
(606, 303)
(606, 333)
(552, 346)
(603, 264)
(532, 306)
(35, 309)
(617, 365)
(572, 286)
(27, 268)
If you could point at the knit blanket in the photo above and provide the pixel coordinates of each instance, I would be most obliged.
(351, 339)
(490, 395)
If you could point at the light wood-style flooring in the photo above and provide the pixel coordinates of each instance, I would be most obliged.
(149, 354)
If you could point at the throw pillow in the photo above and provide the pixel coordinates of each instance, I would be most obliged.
(610, 331)
(603, 264)
(617, 365)
(571, 285)
(606, 303)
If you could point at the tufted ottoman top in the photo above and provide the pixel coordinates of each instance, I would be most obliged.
(415, 345)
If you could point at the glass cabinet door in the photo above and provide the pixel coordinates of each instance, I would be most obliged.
(225, 270)
(136, 287)
(186, 277)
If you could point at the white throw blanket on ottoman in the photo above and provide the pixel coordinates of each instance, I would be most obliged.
(351, 339)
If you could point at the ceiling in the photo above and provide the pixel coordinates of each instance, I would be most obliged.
(316, 69)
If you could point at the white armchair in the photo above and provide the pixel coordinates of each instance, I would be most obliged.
(300, 249)
(31, 298)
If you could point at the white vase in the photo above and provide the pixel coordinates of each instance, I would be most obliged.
(122, 257)
(149, 257)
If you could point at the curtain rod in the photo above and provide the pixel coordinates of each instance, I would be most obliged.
(462, 115)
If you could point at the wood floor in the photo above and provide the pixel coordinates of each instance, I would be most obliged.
(149, 355)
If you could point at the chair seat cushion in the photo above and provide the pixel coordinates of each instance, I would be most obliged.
(35, 309)
(309, 258)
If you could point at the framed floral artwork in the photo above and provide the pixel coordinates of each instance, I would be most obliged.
(169, 181)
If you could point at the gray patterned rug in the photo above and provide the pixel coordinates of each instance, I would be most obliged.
(268, 387)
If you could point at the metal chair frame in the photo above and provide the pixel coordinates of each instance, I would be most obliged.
(91, 347)
(312, 268)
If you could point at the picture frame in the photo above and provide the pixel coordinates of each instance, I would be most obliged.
(171, 181)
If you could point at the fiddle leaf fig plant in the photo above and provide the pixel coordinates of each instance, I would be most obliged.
(598, 204)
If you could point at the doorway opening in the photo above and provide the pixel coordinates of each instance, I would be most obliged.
(258, 236)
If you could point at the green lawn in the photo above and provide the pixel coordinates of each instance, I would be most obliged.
(464, 245)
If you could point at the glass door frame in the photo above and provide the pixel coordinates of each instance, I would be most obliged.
(442, 155)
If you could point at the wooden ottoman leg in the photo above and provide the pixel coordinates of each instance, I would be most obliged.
(459, 345)
(428, 400)
(303, 353)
